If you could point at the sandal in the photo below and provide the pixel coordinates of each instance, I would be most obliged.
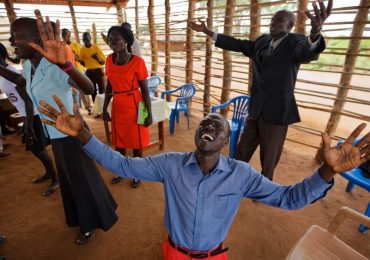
(41, 178)
(84, 238)
(116, 179)
(52, 188)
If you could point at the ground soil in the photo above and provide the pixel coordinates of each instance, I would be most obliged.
(35, 226)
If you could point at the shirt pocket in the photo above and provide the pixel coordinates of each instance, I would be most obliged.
(222, 203)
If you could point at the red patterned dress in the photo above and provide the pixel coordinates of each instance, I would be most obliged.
(126, 133)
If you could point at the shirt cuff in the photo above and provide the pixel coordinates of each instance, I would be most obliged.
(91, 144)
(214, 37)
(321, 187)
(313, 45)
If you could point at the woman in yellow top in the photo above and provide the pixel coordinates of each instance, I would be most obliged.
(92, 57)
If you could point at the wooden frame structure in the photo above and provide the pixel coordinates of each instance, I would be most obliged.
(216, 73)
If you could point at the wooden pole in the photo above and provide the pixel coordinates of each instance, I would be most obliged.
(119, 12)
(10, 10)
(137, 19)
(255, 30)
(348, 68)
(228, 27)
(74, 21)
(208, 61)
(153, 38)
(167, 67)
(189, 43)
(300, 26)
(94, 36)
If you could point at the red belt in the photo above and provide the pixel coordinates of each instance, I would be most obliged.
(127, 92)
(198, 254)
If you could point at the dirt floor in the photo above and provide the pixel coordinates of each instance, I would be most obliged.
(35, 226)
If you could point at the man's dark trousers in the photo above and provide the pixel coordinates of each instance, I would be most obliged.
(269, 137)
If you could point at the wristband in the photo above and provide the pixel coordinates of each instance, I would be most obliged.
(67, 67)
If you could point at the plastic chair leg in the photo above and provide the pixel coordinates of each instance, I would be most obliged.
(350, 186)
(177, 116)
(362, 228)
(187, 118)
(232, 145)
(172, 122)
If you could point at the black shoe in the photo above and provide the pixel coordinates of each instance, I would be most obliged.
(136, 183)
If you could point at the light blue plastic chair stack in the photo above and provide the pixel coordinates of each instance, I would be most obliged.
(240, 114)
(187, 91)
(153, 83)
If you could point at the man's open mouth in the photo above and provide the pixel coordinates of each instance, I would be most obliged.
(207, 137)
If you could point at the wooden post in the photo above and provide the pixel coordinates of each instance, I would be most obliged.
(167, 67)
(189, 43)
(208, 61)
(137, 19)
(94, 36)
(153, 38)
(119, 12)
(348, 68)
(74, 21)
(255, 30)
(228, 28)
(10, 10)
(300, 25)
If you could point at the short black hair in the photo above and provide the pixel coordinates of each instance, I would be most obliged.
(126, 33)
(31, 25)
(64, 32)
(126, 24)
(3, 51)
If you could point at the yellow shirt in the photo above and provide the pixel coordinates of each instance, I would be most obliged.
(90, 62)
(75, 47)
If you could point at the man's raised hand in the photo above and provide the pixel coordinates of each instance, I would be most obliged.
(320, 16)
(63, 121)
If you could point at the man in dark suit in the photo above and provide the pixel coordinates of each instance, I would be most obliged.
(276, 60)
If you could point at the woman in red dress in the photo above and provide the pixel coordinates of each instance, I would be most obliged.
(126, 74)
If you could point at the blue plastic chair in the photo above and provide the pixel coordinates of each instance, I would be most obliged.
(153, 83)
(356, 177)
(187, 91)
(237, 122)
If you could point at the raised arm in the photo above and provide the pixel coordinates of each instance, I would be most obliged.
(319, 18)
(200, 27)
(139, 168)
(55, 51)
(344, 157)
(11, 76)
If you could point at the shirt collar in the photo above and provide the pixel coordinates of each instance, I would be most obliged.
(276, 43)
(222, 165)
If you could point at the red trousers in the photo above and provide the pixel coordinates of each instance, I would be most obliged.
(170, 253)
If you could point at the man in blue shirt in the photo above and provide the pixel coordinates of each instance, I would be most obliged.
(203, 189)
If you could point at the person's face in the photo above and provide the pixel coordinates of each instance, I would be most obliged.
(86, 39)
(66, 36)
(116, 42)
(281, 24)
(212, 134)
(19, 39)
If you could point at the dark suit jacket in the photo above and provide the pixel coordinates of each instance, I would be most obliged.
(275, 74)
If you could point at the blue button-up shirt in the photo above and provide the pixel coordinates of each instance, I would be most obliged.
(200, 208)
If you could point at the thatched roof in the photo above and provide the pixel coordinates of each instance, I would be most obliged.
(104, 3)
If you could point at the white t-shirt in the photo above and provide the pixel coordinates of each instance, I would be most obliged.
(8, 88)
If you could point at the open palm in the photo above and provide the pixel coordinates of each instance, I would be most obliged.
(54, 50)
(348, 155)
(63, 121)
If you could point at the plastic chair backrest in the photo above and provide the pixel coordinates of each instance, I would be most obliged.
(153, 83)
(188, 90)
(240, 108)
